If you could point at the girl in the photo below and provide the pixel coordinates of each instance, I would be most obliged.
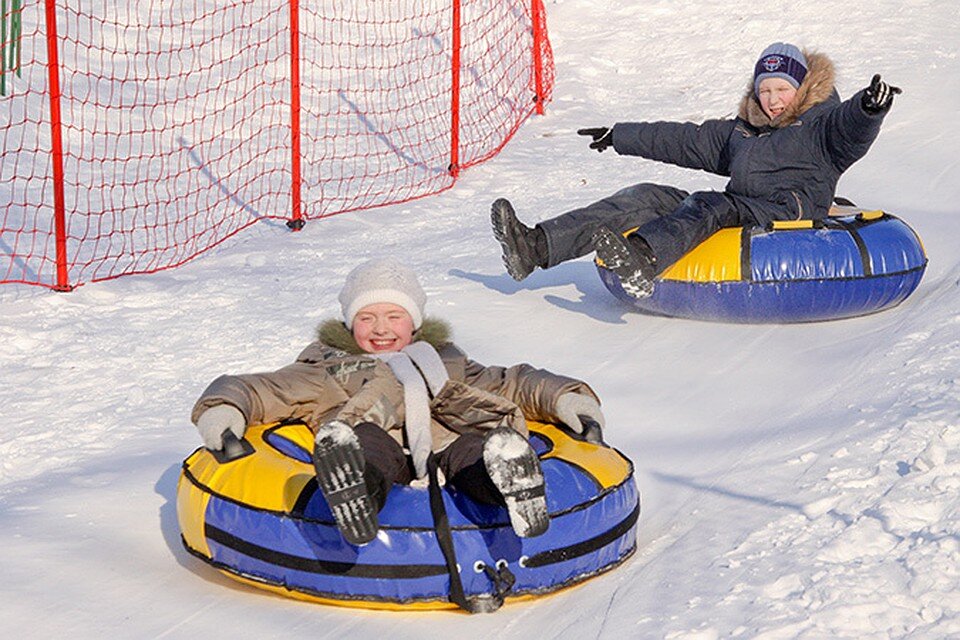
(384, 389)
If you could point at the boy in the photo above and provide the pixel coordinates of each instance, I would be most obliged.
(784, 154)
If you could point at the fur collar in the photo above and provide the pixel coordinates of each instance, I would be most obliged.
(333, 333)
(817, 87)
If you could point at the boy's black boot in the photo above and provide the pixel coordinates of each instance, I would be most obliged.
(339, 463)
(631, 259)
(524, 249)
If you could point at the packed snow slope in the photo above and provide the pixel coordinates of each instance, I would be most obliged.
(798, 481)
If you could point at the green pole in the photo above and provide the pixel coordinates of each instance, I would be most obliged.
(10, 47)
(16, 28)
(3, 47)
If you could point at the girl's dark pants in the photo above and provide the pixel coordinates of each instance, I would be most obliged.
(461, 464)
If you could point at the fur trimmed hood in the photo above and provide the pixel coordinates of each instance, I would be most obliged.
(817, 87)
(334, 333)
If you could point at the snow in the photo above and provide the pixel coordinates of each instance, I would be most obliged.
(797, 481)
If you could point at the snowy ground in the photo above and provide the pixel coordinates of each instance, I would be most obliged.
(798, 481)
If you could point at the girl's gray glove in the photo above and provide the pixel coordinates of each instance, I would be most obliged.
(570, 406)
(214, 421)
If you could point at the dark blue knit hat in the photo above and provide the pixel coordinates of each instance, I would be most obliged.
(780, 60)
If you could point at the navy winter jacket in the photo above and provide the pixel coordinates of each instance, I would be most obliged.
(786, 168)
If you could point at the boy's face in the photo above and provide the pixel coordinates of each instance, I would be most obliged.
(382, 327)
(775, 95)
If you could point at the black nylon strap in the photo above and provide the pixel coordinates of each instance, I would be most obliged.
(441, 523)
(502, 579)
(476, 604)
(852, 229)
(746, 268)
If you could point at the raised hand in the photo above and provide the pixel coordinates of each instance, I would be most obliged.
(879, 95)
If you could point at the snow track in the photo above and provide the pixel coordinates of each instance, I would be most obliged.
(798, 481)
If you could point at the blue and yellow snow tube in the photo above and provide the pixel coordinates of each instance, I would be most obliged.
(796, 271)
(261, 520)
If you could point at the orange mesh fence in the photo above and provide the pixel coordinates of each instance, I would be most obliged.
(138, 134)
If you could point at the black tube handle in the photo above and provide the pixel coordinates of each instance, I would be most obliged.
(233, 449)
(592, 432)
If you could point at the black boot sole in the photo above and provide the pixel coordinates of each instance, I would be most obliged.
(339, 463)
(630, 269)
(506, 230)
(514, 468)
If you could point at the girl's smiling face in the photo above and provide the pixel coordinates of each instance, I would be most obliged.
(382, 327)
(775, 95)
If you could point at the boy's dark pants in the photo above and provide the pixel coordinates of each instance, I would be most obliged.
(670, 220)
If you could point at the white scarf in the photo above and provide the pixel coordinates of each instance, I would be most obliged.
(417, 366)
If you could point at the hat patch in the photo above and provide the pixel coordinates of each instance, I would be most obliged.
(772, 63)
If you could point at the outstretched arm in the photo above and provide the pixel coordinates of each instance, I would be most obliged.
(695, 146)
(850, 129)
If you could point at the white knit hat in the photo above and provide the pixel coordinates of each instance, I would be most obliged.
(384, 280)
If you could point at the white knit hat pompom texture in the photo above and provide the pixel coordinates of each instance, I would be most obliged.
(382, 280)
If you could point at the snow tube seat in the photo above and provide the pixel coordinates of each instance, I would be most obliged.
(792, 271)
(262, 520)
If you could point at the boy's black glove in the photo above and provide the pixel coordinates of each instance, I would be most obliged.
(602, 137)
(879, 95)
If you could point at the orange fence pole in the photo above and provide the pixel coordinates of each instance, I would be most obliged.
(454, 167)
(536, 15)
(56, 137)
(296, 221)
